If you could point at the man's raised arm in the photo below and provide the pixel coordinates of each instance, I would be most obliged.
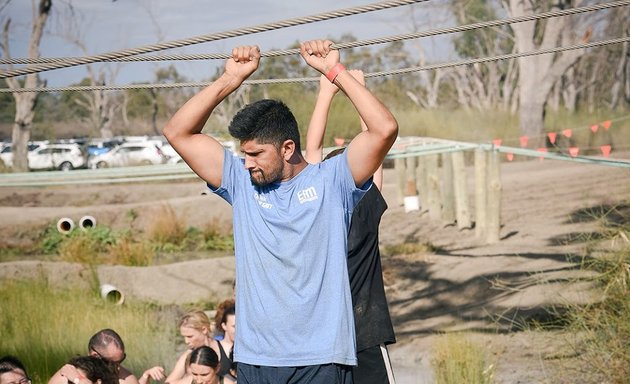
(368, 149)
(202, 153)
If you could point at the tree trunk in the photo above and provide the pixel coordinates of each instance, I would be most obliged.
(25, 102)
(538, 73)
(154, 111)
(620, 74)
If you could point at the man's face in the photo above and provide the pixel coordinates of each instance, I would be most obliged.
(263, 161)
(16, 376)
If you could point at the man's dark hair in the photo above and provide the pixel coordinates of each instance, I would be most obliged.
(95, 369)
(267, 122)
(103, 338)
(8, 363)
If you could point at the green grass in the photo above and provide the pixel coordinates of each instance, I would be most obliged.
(483, 126)
(44, 327)
(456, 360)
(605, 324)
(131, 246)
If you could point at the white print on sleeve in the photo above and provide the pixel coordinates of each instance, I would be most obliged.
(262, 200)
(307, 195)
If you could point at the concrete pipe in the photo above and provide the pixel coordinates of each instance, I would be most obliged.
(87, 222)
(65, 225)
(111, 294)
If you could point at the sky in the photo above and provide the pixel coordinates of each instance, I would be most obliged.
(105, 26)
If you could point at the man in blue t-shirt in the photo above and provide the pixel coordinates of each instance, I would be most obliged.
(290, 220)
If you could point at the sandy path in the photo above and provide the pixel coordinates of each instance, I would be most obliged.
(465, 285)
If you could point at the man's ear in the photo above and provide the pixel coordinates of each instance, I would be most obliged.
(287, 149)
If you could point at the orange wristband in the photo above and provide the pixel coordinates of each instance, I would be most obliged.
(334, 72)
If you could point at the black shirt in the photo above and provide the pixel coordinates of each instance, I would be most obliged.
(372, 321)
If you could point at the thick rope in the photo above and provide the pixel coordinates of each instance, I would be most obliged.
(316, 79)
(207, 38)
(360, 43)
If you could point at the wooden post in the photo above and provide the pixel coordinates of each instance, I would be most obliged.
(494, 198)
(448, 189)
(422, 183)
(481, 195)
(410, 186)
(399, 166)
(461, 196)
(433, 187)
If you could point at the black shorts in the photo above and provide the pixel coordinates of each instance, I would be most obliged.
(374, 367)
(312, 374)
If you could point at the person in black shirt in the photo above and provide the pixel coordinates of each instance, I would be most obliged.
(373, 324)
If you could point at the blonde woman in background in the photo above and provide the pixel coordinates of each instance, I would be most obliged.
(196, 330)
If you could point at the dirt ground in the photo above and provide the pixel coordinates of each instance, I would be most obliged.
(547, 206)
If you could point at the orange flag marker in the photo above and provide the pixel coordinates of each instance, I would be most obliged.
(567, 132)
(573, 151)
(552, 137)
(605, 150)
(509, 156)
(606, 124)
(523, 140)
(542, 150)
(594, 128)
(339, 141)
(497, 142)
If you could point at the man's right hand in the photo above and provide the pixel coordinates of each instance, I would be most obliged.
(244, 62)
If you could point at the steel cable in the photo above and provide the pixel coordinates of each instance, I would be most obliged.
(208, 38)
(359, 43)
(316, 79)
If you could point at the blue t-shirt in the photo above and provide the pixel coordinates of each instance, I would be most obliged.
(292, 293)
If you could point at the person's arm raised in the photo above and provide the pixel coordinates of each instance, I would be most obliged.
(368, 149)
(202, 153)
(378, 175)
(317, 125)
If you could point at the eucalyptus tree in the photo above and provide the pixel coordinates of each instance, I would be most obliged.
(25, 101)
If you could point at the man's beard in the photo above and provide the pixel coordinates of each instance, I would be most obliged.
(261, 179)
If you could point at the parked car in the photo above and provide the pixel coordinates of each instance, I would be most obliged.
(172, 157)
(95, 148)
(63, 157)
(126, 154)
(6, 154)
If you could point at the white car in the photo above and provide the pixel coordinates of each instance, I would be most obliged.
(6, 154)
(133, 153)
(64, 157)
